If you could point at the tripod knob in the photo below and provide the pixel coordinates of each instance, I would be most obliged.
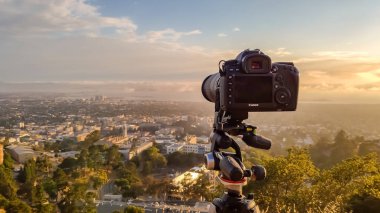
(259, 172)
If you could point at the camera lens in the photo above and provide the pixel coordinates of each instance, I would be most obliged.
(209, 87)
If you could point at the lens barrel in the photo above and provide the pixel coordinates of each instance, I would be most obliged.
(209, 87)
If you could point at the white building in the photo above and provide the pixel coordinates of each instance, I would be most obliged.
(197, 148)
(190, 148)
(174, 148)
(21, 153)
(140, 148)
(71, 154)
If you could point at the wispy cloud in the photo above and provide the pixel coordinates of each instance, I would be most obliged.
(169, 34)
(280, 52)
(76, 42)
(38, 17)
(222, 35)
(341, 54)
(236, 29)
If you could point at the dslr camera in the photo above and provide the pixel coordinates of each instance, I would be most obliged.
(252, 83)
(249, 83)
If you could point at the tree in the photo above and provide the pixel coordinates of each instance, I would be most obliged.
(68, 164)
(113, 156)
(204, 188)
(133, 209)
(28, 175)
(129, 189)
(184, 160)
(90, 139)
(352, 177)
(7, 184)
(364, 203)
(18, 206)
(75, 200)
(287, 182)
(343, 148)
(95, 157)
(149, 160)
(43, 166)
(61, 179)
(8, 161)
(50, 186)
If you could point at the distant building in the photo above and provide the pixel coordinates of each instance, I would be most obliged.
(112, 197)
(203, 139)
(191, 139)
(82, 137)
(100, 98)
(174, 148)
(191, 175)
(140, 148)
(112, 140)
(21, 153)
(190, 148)
(71, 154)
(197, 148)
(125, 130)
(125, 153)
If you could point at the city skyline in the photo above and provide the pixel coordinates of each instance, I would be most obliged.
(96, 42)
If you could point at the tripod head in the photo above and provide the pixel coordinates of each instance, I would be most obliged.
(233, 174)
(230, 164)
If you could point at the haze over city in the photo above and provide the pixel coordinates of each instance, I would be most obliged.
(139, 48)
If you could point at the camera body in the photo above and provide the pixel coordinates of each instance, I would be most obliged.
(252, 83)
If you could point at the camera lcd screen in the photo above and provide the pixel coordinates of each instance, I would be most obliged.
(253, 89)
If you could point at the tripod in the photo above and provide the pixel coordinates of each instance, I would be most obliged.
(233, 175)
(233, 200)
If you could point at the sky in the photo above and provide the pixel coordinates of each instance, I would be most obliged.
(335, 44)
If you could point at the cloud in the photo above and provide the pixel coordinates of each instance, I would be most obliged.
(339, 72)
(169, 35)
(71, 40)
(236, 29)
(359, 56)
(222, 35)
(280, 52)
(341, 54)
(375, 87)
(56, 17)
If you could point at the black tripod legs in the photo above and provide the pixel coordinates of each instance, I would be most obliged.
(230, 203)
